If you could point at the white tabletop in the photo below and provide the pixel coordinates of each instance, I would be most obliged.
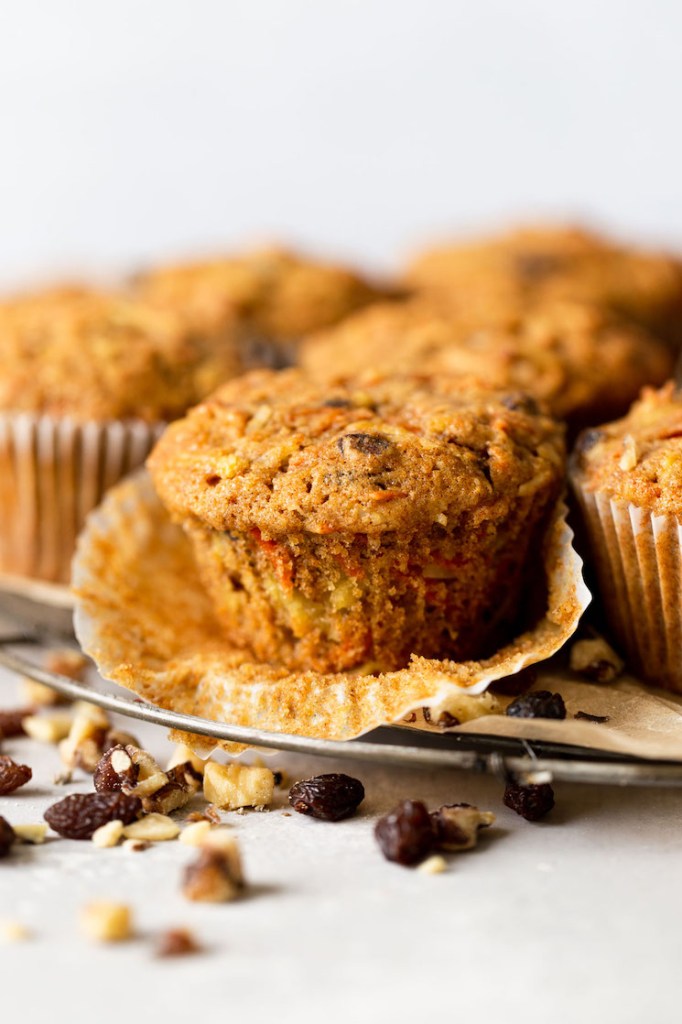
(576, 918)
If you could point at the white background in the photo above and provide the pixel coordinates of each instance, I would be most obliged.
(148, 128)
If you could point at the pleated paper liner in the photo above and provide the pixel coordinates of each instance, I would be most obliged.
(143, 616)
(638, 559)
(53, 472)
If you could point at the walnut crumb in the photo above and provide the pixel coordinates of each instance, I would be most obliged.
(13, 931)
(105, 921)
(434, 865)
(177, 942)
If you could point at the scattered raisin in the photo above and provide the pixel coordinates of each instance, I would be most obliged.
(7, 837)
(587, 440)
(177, 942)
(114, 770)
(587, 717)
(406, 835)
(10, 722)
(365, 444)
(337, 403)
(12, 775)
(531, 802)
(538, 704)
(328, 797)
(519, 401)
(79, 815)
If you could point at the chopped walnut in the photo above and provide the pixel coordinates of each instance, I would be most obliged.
(38, 695)
(629, 458)
(114, 770)
(13, 931)
(108, 835)
(47, 728)
(153, 828)
(185, 755)
(233, 786)
(83, 746)
(135, 845)
(216, 875)
(34, 835)
(456, 826)
(433, 865)
(105, 921)
(195, 833)
(596, 660)
(177, 942)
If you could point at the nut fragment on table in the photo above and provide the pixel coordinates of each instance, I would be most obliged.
(231, 786)
(38, 695)
(13, 931)
(596, 660)
(33, 834)
(456, 826)
(83, 746)
(114, 770)
(67, 662)
(436, 864)
(153, 828)
(195, 833)
(216, 875)
(185, 755)
(51, 728)
(105, 921)
(177, 942)
(108, 835)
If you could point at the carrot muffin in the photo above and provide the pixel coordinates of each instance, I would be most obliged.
(348, 526)
(87, 380)
(511, 270)
(278, 295)
(627, 477)
(585, 363)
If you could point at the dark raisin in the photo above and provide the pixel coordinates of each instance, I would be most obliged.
(7, 837)
(365, 444)
(531, 802)
(278, 777)
(12, 775)
(10, 722)
(587, 440)
(213, 479)
(114, 770)
(538, 704)
(80, 815)
(328, 797)
(406, 835)
(337, 403)
(587, 717)
(519, 401)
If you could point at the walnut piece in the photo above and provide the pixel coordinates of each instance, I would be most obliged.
(153, 828)
(231, 786)
(216, 875)
(456, 826)
(105, 921)
(47, 728)
(595, 659)
(108, 835)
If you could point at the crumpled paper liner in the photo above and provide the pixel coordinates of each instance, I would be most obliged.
(53, 472)
(143, 616)
(638, 558)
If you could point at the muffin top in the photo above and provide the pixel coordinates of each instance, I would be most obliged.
(282, 295)
(637, 459)
(99, 356)
(284, 454)
(529, 264)
(583, 361)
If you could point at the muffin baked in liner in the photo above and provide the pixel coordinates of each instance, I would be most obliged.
(144, 617)
(636, 545)
(348, 527)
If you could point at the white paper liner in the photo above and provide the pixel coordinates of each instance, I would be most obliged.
(53, 472)
(143, 616)
(638, 558)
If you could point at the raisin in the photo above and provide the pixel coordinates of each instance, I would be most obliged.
(7, 837)
(114, 770)
(328, 797)
(444, 721)
(587, 440)
(10, 722)
(406, 835)
(587, 717)
(531, 802)
(365, 444)
(12, 775)
(337, 403)
(80, 815)
(538, 704)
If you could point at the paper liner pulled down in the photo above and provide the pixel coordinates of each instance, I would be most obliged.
(638, 558)
(53, 472)
(143, 616)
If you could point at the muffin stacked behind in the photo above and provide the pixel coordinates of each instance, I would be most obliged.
(584, 363)
(88, 379)
(515, 270)
(279, 296)
(349, 527)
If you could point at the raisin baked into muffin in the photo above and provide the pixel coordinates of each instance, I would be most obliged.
(88, 378)
(512, 270)
(585, 363)
(348, 526)
(627, 477)
(278, 295)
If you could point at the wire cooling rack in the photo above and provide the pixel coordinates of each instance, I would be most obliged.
(522, 760)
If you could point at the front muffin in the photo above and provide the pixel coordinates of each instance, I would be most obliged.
(351, 526)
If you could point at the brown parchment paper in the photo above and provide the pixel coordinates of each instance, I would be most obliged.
(144, 618)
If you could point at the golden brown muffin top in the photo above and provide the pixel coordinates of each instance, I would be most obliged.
(537, 263)
(584, 362)
(637, 459)
(283, 295)
(283, 454)
(99, 356)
